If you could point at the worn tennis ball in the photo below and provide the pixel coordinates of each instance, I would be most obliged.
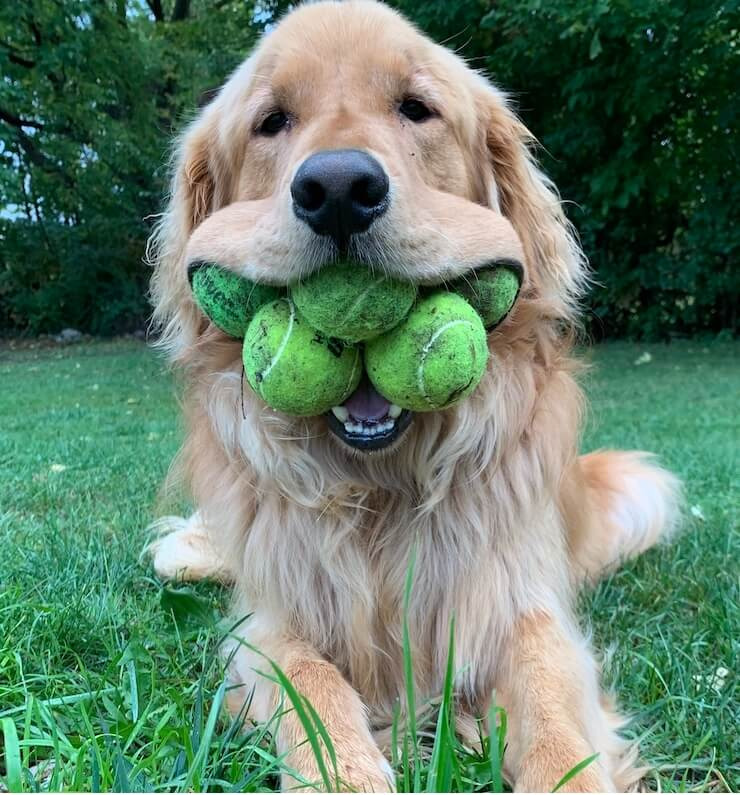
(490, 291)
(295, 368)
(227, 299)
(434, 359)
(352, 303)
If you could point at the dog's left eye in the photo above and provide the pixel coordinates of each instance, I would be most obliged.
(414, 109)
(273, 123)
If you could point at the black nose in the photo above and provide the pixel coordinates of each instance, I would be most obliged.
(340, 192)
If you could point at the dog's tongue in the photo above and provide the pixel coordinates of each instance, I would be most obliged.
(366, 403)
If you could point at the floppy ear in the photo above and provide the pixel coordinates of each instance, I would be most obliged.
(205, 163)
(530, 201)
(191, 200)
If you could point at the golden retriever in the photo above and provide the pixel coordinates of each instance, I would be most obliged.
(419, 167)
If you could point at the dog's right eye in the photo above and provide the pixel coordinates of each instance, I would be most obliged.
(415, 110)
(273, 123)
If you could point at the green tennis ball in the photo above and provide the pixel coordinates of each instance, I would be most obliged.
(434, 359)
(490, 291)
(227, 299)
(350, 302)
(293, 367)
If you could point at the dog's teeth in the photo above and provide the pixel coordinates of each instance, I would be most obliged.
(368, 430)
(340, 413)
(394, 411)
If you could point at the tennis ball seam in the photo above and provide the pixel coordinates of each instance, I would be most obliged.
(283, 342)
(361, 297)
(425, 350)
(354, 370)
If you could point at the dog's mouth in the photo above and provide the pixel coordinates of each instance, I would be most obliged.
(366, 420)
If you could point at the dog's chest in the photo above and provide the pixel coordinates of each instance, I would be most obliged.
(348, 584)
(395, 592)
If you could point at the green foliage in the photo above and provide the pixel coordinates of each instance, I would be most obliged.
(92, 94)
(635, 104)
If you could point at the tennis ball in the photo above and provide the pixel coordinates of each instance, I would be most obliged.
(350, 302)
(227, 299)
(293, 367)
(434, 359)
(490, 291)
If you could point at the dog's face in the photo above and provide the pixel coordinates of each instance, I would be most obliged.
(349, 133)
(348, 124)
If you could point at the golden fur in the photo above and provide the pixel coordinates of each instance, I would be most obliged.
(506, 518)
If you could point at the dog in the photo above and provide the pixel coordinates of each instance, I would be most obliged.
(419, 168)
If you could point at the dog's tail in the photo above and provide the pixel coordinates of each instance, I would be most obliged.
(625, 503)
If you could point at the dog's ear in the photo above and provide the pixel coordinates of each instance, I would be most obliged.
(205, 162)
(558, 271)
(192, 189)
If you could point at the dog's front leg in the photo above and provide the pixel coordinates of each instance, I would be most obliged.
(549, 688)
(360, 766)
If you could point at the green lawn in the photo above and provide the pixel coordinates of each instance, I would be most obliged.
(100, 676)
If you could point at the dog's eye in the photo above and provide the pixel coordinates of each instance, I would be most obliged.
(415, 109)
(273, 123)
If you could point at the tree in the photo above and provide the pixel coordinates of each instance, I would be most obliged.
(91, 95)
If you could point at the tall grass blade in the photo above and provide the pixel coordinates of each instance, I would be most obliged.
(134, 690)
(312, 731)
(439, 778)
(408, 669)
(496, 743)
(12, 752)
(574, 771)
(195, 776)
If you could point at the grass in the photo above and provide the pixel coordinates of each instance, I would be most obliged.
(109, 679)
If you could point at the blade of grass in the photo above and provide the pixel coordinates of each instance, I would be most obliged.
(312, 734)
(47, 717)
(496, 743)
(575, 770)
(79, 777)
(60, 701)
(194, 779)
(95, 755)
(324, 734)
(121, 767)
(95, 768)
(27, 724)
(13, 776)
(439, 778)
(134, 692)
(408, 670)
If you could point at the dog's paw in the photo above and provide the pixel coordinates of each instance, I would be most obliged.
(377, 777)
(184, 551)
(367, 771)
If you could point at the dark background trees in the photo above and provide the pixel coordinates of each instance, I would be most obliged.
(634, 103)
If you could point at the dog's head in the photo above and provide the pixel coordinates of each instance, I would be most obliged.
(349, 132)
